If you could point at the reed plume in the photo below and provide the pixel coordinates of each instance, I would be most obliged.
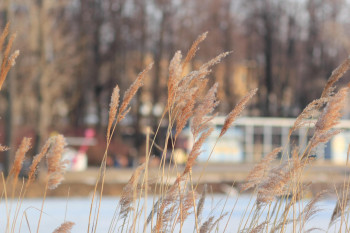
(187, 96)
(259, 228)
(231, 117)
(206, 226)
(129, 94)
(65, 227)
(194, 48)
(36, 161)
(186, 206)
(20, 156)
(335, 76)
(130, 188)
(177, 81)
(200, 204)
(4, 35)
(195, 152)
(256, 175)
(309, 112)
(113, 108)
(216, 60)
(166, 210)
(210, 227)
(175, 72)
(332, 112)
(274, 186)
(322, 137)
(185, 112)
(56, 167)
(277, 180)
(206, 107)
(340, 207)
(8, 60)
(310, 210)
(329, 118)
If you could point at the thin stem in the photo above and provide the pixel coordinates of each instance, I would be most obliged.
(42, 206)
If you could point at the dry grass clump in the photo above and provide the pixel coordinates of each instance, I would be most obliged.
(129, 193)
(53, 149)
(115, 116)
(282, 184)
(278, 186)
(257, 174)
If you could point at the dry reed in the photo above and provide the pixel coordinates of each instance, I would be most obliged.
(206, 226)
(174, 77)
(56, 167)
(4, 35)
(332, 113)
(231, 117)
(20, 156)
(36, 161)
(206, 107)
(276, 182)
(200, 204)
(310, 210)
(113, 110)
(340, 208)
(129, 94)
(310, 111)
(186, 100)
(329, 118)
(257, 174)
(258, 228)
(8, 60)
(335, 76)
(186, 206)
(192, 52)
(65, 227)
(131, 187)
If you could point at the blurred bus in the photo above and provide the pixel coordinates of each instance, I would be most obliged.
(251, 138)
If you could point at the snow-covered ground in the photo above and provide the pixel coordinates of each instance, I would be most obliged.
(78, 212)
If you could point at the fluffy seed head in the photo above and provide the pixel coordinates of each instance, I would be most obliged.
(56, 167)
(257, 173)
(113, 108)
(335, 76)
(36, 161)
(129, 94)
(65, 227)
(20, 155)
(231, 117)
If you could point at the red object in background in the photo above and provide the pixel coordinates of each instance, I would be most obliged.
(88, 135)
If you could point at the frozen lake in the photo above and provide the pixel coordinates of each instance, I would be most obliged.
(78, 212)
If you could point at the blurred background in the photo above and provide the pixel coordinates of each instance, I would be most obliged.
(74, 52)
